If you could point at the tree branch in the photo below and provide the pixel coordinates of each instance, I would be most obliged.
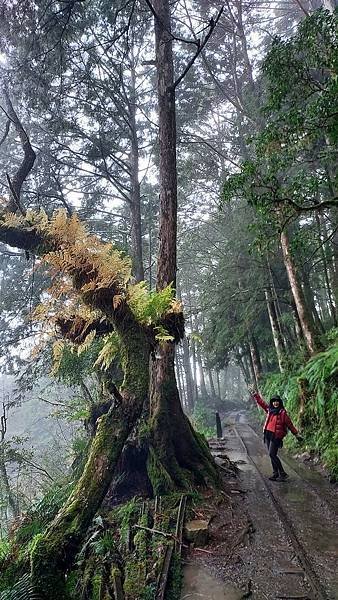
(28, 160)
(6, 132)
(212, 25)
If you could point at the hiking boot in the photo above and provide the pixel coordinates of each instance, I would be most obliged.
(283, 476)
(274, 477)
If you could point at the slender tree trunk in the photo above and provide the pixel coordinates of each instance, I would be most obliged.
(244, 367)
(275, 330)
(256, 360)
(179, 377)
(310, 302)
(218, 384)
(194, 370)
(7, 486)
(135, 197)
(334, 242)
(305, 317)
(253, 368)
(297, 324)
(326, 272)
(203, 387)
(211, 383)
(188, 375)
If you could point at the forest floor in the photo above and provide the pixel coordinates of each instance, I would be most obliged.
(268, 540)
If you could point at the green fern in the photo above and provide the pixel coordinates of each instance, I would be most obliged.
(21, 590)
(149, 307)
(4, 549)
(104, 545)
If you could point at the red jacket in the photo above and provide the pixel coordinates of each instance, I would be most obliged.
(283, 421)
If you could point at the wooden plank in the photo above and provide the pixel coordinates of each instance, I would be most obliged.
(117, 583)
(163, 577)
(180, 524)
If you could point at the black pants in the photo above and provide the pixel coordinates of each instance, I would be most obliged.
(273, 445)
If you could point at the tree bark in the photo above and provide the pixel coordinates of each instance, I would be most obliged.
(188, 375)
(7, 486)
(175, 447)
(305, 317)
(332, 308)
(203, 387)
(275, 330)
(253, 369)
(194, 370)
(256, 359)
(135, 196)
(211, 383)
(334, 242)
(56, 549)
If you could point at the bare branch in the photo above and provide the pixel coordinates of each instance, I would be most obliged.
(212, 25)
(28, 160)
(6, 132)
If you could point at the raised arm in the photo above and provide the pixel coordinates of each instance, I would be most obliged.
(258, 398)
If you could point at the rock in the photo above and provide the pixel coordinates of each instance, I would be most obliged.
(305, 456)
(197, 532)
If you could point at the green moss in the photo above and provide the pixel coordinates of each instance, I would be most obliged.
(97, 586)
(72, 583)
(173, 591)
(159, 477)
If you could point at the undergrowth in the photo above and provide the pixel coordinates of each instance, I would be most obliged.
(311, 397)
(203, 420)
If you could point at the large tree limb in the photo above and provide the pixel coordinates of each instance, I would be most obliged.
(26, 166)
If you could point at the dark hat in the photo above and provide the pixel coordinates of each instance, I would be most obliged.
(276, 399)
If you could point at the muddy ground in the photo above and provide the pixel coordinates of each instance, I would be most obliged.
(268, 540)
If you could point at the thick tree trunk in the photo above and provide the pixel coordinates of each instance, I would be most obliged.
(56, 549)
(175, 447)
(305, 317)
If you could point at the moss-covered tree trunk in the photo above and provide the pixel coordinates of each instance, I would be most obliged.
(54, 552)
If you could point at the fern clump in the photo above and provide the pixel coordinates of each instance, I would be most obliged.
(311, 394)
(21, 590)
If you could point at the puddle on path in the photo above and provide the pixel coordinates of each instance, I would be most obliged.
(198, 584)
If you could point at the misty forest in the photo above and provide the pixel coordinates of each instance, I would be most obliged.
(168, 267)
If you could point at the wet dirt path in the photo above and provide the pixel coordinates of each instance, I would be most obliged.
(293, 550)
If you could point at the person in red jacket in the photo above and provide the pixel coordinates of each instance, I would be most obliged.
(276, 426)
